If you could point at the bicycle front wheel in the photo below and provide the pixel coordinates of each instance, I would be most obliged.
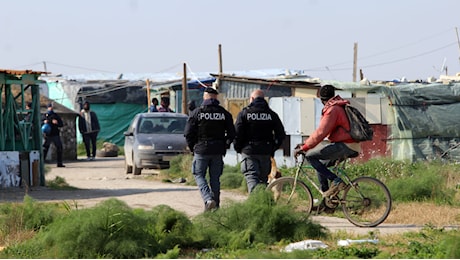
(298, 195)
(367, 202)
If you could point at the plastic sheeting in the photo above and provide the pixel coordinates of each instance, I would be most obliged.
(114, 120)
(426, 117)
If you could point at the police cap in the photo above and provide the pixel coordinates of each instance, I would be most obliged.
(211, 91)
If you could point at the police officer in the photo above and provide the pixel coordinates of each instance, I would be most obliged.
(55, 121)
(209, 132)
(259, 133)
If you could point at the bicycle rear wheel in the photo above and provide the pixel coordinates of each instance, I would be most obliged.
(298, 197)
(367, 203)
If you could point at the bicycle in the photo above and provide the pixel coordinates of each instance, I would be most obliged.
(365, 201)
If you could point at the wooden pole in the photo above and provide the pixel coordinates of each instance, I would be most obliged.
(184, 91)
(147, 86)
(355, 60)
(220, 59)
(458, 42)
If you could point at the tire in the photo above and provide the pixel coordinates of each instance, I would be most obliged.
(367, 203)
(301, 199)
(102, 153)
(128, 168)
(136, 171)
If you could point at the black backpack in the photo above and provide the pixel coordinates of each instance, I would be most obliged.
(360, 130)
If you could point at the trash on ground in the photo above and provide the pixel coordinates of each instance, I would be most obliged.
(348, 242)
(304, 245)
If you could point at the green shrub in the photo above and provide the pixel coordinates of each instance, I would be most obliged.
(180, 167)
(256, 220)
(231, 180)
(29, 215)
(108, 230)
(411, 181)
(58, 183)
(449, 247)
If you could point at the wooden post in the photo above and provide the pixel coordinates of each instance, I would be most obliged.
(147, 83)
(220, 59)
(458, 42)
(184, 91)
(355, 60)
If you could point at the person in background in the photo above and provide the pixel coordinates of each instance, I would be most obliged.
(333, 125)
(89, 127)
(259, 133)
(27, 117)
(209, 132)
(53, 136)
(191, 106)
(154, 105)
(164, 105)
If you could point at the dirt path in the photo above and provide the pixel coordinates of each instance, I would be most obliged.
(105, 178)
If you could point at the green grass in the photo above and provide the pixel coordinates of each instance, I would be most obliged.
(255, 228)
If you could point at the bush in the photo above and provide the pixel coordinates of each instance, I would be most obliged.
(181, 167)
(231, 180)
(17, 218)
(108, 230)
(412, 181)
(258, 220)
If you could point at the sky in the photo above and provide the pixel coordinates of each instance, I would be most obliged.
(415, 39)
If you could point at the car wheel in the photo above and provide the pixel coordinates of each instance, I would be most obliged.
(128, 168)
(136, 171)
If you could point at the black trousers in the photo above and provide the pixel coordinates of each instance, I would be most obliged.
(56, 139)
(90, 142)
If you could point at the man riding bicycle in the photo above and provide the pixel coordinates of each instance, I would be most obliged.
(335, 126)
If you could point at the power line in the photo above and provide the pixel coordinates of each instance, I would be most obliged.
(411, 57)
(403, 46)
(79, 67)
(328, 67)
(28, 65)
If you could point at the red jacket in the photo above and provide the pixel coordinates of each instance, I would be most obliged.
(334, 124)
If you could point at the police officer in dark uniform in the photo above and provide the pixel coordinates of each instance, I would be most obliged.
(259, 133)
(209, 132)
(55, 121)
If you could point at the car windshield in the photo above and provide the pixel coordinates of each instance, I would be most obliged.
(162, 125)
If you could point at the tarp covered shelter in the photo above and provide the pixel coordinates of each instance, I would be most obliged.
(424, 118)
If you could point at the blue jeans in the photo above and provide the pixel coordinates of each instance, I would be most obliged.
(200, 164)
(255, 168)
(323, 156)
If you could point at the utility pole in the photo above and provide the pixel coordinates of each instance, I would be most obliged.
(220, 59)
(44, 66)
(147, 86)
(458, 42)
(355, 60)
(184, 91)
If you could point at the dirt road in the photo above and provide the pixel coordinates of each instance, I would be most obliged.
(105, 178)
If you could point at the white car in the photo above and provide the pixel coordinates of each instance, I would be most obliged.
(153, 139)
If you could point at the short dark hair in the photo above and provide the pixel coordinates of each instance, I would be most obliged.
(326, 92)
